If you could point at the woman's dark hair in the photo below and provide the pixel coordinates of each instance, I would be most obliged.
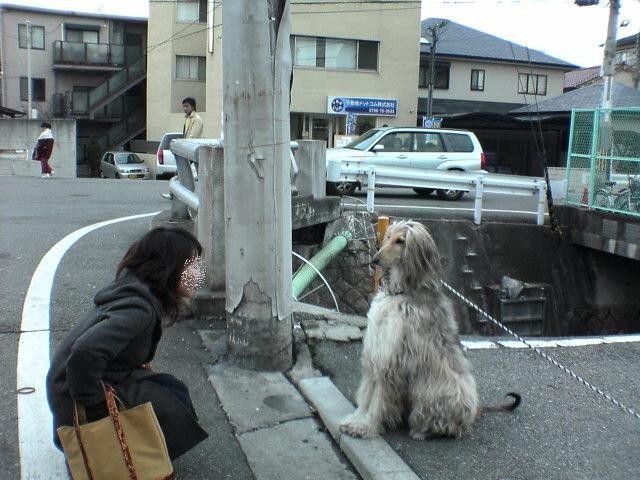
(158, 259)
(45, 125)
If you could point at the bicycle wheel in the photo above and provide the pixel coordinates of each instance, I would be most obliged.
(622, 202)
(602, 198)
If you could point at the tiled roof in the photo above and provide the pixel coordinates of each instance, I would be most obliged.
(586, 97)
(575, 78)
(460, 41)
(630, 40)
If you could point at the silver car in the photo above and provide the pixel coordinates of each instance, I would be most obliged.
(123, 165)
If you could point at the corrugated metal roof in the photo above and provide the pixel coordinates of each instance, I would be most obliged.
(461, 41)
(575, 78)
(586, 97)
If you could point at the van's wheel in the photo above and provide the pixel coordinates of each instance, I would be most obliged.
(340, 188)
(451, 195)
(117, 176)
(423, 192)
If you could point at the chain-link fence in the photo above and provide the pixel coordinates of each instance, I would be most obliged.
(603, 165)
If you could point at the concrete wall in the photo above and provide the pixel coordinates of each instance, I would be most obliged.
(14, 58)
(500, 82)
(164, 92)
(397, 30)
(22, 134)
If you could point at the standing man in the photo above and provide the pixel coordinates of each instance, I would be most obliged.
(42, 150)
(192, 127)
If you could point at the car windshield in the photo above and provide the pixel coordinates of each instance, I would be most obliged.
(364, 140)
(127, 158)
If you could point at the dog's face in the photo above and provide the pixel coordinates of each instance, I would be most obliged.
(409, 253)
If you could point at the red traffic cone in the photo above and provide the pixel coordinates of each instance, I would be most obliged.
(585, 196)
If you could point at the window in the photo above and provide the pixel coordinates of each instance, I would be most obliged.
(37, 89)
(37, 37)
(334, 53)
(459, 142)
(532, 84)
(190, 68)
(192, 11)
(397, 142)
(81, 34)
(428, 142)
(441, 80)
(477, 80)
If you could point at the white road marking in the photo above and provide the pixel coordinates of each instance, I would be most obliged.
(39, 459)
(551, 342)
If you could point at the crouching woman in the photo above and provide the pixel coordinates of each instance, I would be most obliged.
(117, 339)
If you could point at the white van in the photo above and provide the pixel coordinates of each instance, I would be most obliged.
(414, 147)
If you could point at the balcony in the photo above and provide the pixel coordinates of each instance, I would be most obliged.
(92, 56)
(76, 105)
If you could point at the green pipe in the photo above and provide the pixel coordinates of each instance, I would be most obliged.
(307, 274)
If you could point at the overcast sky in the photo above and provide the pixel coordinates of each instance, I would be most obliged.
(557, 27)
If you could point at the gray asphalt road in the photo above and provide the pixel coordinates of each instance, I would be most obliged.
(562, 430)
(38, 213)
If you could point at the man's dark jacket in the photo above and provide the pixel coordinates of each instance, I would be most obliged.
(110, 344)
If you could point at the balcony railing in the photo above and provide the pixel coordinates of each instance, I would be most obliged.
(76, 105)
(117, 81)
(93, 54)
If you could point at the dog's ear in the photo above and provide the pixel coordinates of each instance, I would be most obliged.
(421, 258)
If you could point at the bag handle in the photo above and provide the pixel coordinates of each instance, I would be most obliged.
(110, 396)
(80, 417)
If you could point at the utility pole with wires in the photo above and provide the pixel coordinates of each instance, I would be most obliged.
(28, 23)
(434, 34)
(257, 194)
(636, 70)
(609, 60)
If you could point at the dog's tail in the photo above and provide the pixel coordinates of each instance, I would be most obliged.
(508, 407)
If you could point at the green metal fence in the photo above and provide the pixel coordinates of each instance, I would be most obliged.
(603, 164)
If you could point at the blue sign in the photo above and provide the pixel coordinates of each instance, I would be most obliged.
(431, 122)
(381, 107)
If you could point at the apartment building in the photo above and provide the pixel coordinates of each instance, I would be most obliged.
(87, 67)
(348, 57)
(476, 71)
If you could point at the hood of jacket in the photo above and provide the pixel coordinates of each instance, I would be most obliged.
(127, 285)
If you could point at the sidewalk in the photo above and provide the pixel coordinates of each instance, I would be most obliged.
(562, 430)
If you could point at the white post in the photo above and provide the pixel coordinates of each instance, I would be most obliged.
(371, 190)
(477, 209)
(28, 69)
(608, 62)
(542, 200)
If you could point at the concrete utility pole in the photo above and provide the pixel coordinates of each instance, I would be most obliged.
(256, 74)
(434, 35)
(608, 63)
(28, 68)
(636, 70)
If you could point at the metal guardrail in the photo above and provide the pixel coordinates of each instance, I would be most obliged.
(480, 182)
(183, 186)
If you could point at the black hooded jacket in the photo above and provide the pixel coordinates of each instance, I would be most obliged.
(110, 344)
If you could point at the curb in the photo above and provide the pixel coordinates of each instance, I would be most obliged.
(374, 459)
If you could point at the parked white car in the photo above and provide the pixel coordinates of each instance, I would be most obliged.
(123, 165)
(413, 147)
(166, 161)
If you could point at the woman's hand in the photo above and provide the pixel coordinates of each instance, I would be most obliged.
(146, 366)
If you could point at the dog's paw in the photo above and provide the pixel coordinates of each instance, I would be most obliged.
(418, 434)
(358, 427)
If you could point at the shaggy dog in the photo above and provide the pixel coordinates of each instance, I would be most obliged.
(412, 360)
